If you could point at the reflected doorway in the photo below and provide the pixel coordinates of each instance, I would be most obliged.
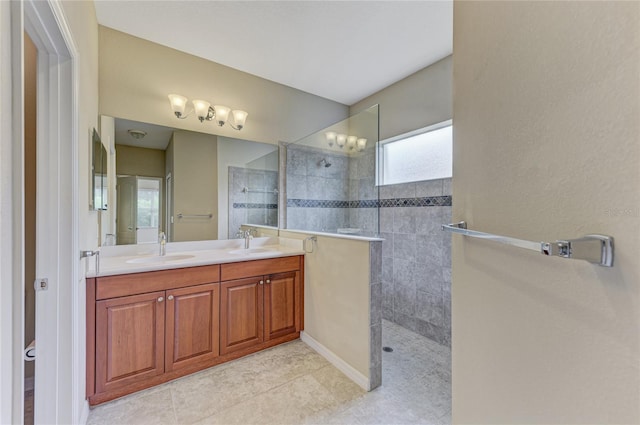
(139, 214)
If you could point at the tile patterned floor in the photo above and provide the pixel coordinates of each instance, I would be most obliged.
(292, 384)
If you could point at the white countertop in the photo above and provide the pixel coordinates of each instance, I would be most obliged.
(124, 259)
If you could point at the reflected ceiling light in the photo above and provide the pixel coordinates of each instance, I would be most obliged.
(331, 137)
(137, 134)
(351, 142)
(342, 140)
(204, 111)
(361, 143)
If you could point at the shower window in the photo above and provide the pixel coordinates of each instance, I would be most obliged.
(424, 154)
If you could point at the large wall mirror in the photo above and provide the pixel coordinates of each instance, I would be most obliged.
(191, 186)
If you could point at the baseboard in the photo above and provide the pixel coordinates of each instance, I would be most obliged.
(340, 364)
(84, 414)
(28, 383)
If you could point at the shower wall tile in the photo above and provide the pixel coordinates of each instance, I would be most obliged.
(403, 190)
(387, 244)
(430, 307)
(429, 188)
(429, 278)
(446, 187)
(404, 246)
(408, 322)
(404, 220)
(431, 250)
(297, 187)
(427, 275)
(386, 220)
(296, 162)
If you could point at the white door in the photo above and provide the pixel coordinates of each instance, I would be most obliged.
(148, 210)
(127, 201)
(58, 322)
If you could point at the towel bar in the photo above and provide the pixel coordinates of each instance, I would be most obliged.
(596, 249)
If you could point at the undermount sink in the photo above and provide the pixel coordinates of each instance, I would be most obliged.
(250, 251)
(160, 259)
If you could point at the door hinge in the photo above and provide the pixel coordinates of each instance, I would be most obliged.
(41, 284)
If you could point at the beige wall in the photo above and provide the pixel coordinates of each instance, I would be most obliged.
(546, 146)
(195, 185)
(336, 298)
(134, 161)
(136, 76)
(82, 22)
(421, 99)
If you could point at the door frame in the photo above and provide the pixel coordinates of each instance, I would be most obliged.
(59, 324)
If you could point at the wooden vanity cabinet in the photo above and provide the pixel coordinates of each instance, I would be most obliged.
(261, 308)
(129, 340)
(144, 329)
(192, 326)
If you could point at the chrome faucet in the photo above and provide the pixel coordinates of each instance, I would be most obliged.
(247, 238)
(162, 239)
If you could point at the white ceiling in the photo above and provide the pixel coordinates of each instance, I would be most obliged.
(340, 50)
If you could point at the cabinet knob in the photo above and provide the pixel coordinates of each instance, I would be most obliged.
(160, 299)
(262, 282)
(170, 297)
(268, 280)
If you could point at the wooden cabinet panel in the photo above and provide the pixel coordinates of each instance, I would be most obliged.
(281, 299)
(129, 339)
(246, 269)
(140, 283)
(192, 321)
(241, 311)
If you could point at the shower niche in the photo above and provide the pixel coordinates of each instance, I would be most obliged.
(330, 178)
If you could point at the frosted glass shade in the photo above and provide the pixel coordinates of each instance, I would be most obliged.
(331, 137)
(202, 109)
(361, 144)
(341, 139)
(222, 114)
(178, 104)
(239, 117)
(351, 141)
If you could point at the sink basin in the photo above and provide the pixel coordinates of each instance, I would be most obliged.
(250, 251)
(160, 259)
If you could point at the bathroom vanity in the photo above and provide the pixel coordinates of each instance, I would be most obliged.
(147, 326)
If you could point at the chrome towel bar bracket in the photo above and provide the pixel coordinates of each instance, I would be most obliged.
(596, 249)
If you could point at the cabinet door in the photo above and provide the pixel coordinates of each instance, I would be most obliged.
(241, 314)
(129, 340)
(192, 322)
(282, 305)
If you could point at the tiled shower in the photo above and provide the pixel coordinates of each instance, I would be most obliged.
(334, 191)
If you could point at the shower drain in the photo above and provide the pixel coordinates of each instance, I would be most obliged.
(387, 349)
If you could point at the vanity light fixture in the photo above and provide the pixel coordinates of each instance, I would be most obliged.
(204, 111)
(342, 140)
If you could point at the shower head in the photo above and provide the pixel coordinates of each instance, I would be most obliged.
(324, 162)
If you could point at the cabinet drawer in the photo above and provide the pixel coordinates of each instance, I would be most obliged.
(259, 267)
(139, 283)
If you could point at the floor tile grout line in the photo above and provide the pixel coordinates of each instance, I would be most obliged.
(266, 391)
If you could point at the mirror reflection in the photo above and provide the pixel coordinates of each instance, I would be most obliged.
(191, 186)
(98, 198)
